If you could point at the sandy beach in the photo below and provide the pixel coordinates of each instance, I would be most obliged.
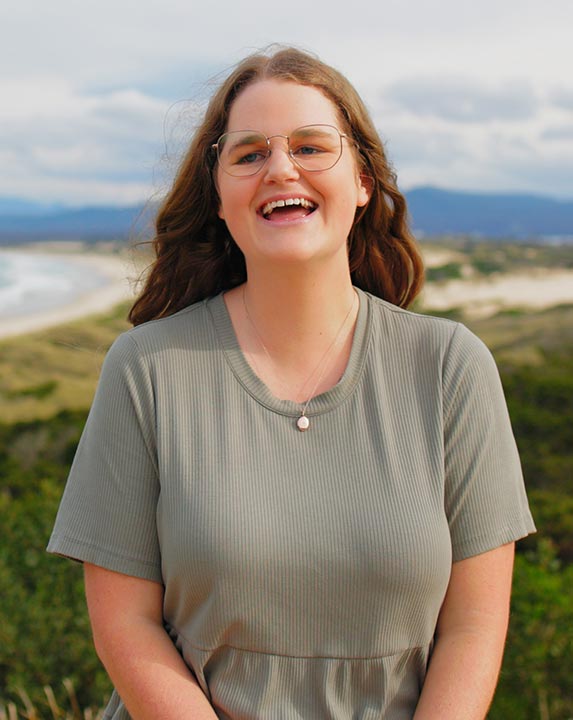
(476, 297)
(483, 297)
(119, 273)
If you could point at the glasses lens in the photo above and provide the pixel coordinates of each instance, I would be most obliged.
(243, 152)
(316, 147)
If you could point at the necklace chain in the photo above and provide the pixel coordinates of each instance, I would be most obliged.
(302, 422)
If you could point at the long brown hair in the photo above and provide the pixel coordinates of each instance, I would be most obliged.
(196, 257)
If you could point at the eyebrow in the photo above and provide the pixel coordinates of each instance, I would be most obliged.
(312, 130)
(246, 140)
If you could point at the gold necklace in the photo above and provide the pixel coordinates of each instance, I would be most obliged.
(302, 422)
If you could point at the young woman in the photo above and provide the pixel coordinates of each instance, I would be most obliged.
(293, 497)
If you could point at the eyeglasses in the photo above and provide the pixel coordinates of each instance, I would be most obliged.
(312, 147)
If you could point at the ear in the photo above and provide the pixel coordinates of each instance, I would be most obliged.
(365, 185)
(220, 212)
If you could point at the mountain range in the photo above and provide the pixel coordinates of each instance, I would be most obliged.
(433, 212)
(514, 216)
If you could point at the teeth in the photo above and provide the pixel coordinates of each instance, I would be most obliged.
(269, 207)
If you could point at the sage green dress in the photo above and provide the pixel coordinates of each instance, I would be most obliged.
(303, 572)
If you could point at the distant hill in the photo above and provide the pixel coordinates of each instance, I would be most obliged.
(17, 206)
(439, 212)
(432, 211)
(89, 223)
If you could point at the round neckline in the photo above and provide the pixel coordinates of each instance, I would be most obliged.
(250, 381)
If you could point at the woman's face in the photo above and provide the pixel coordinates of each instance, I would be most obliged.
(314, 230)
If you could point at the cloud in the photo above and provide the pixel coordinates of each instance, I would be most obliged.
(558, 132)
(89, 91)
(510, 155)
(563, 98)
(97, 43)
(463, 100)
(52, 136)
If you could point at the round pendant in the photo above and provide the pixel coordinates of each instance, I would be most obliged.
(303, 423)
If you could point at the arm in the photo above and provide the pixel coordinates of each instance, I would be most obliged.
(470, 637)
(145, 667)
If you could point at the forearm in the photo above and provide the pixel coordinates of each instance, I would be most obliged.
(150, 676)
(144, 665)
(470, 638)
(461, 678)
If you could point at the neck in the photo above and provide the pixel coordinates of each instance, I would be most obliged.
(296, 330)
(296, 311)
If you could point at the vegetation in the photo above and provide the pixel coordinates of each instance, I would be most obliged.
(46, 384)
(536, 678)
(56, 369)
(72, 710)
(448, 271)
(491, 256)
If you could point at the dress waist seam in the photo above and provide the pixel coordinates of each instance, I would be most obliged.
(335, 658)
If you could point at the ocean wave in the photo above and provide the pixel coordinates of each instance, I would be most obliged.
(31, 283)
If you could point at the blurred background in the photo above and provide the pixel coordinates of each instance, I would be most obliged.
(97, 102)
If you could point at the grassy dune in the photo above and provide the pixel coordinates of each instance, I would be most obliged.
(56, 369)
(47, 381)
(521, 337)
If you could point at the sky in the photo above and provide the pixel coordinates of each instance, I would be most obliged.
(99, 98)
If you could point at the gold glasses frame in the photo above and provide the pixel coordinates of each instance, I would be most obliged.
(223, 139)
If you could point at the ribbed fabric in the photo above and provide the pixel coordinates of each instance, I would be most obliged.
(303, 572)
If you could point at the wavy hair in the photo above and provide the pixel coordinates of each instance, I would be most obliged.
(195, 255)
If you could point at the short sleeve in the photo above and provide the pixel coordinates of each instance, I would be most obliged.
(107, 515)
(485, 498)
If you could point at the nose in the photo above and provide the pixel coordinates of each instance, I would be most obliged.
(280, 166)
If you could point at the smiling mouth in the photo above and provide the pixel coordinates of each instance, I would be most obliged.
(288, 209)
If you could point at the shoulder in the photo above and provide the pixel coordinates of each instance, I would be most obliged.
(420, 333)
(187, 324)
(185, 329)
(406, 321)
(164, 345)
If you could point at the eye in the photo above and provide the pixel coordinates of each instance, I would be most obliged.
(250, 157)
(308, 150)
(245, 148)
(314, 141)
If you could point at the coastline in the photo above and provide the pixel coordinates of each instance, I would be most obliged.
(119, 272)
(483, 297)
(477, 298)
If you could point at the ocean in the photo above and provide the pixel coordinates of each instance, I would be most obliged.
(32, 283)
